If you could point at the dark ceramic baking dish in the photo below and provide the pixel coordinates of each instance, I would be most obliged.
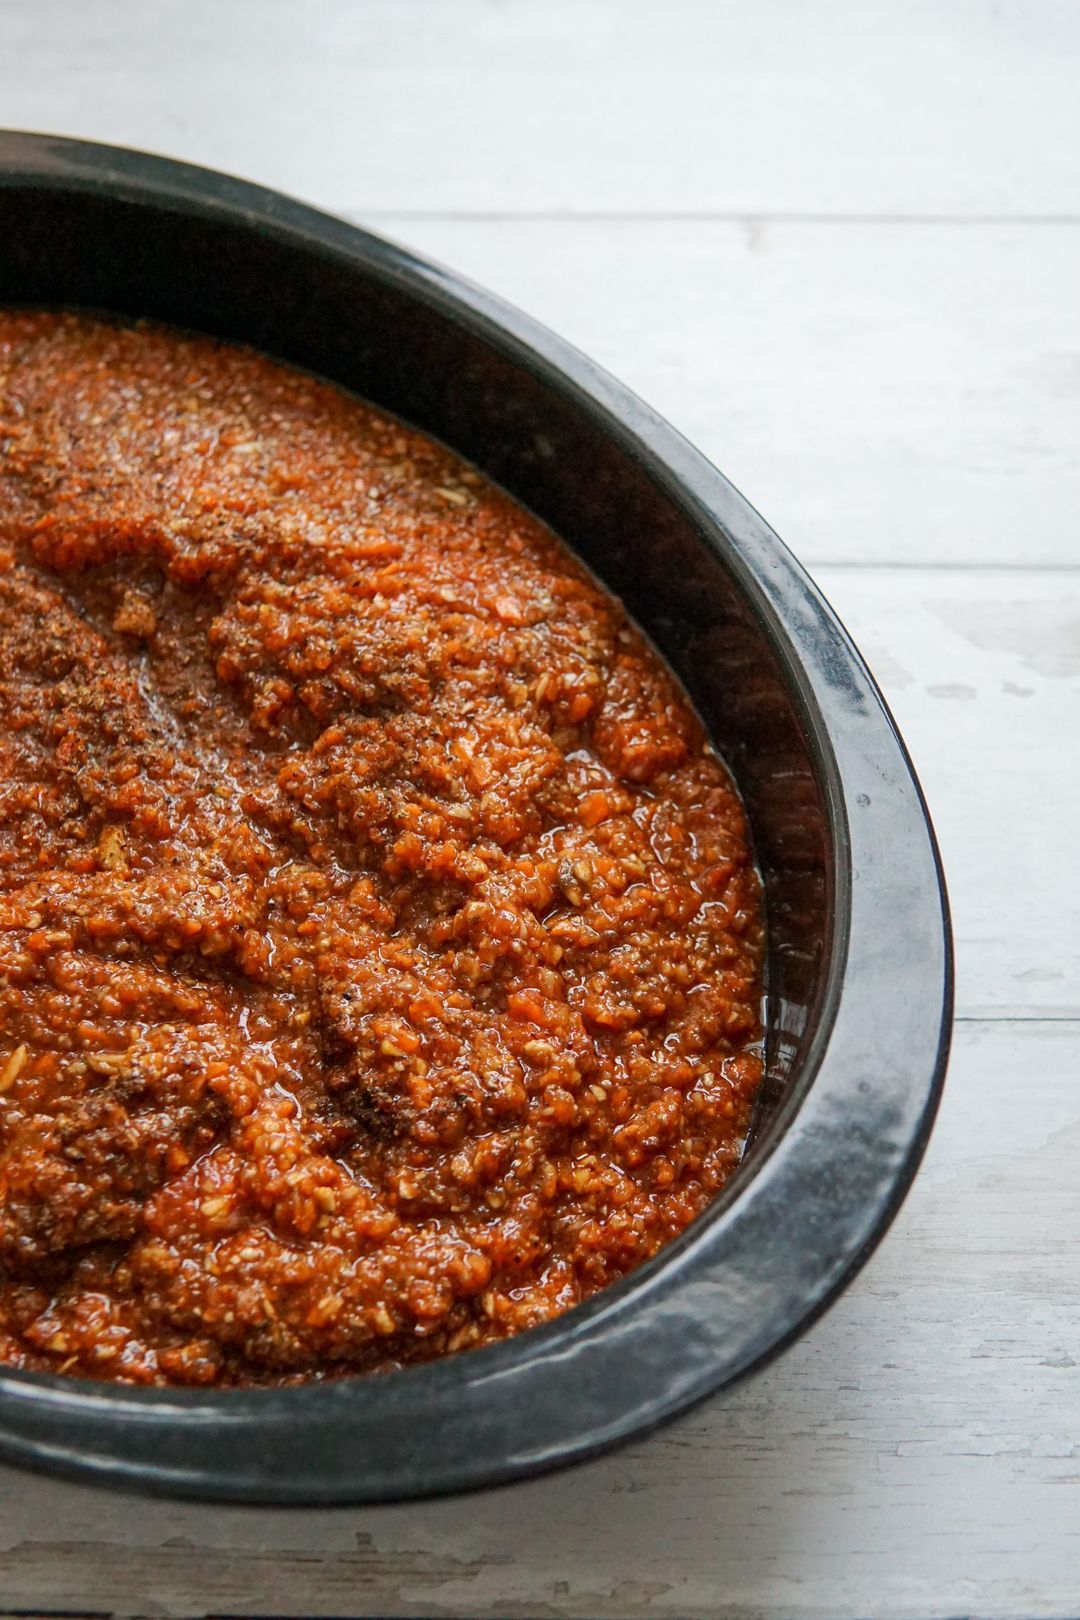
(859, 968)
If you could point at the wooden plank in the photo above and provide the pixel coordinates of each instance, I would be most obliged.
(896, 106)
(916, 1454)
(882, 393)
(982, 671)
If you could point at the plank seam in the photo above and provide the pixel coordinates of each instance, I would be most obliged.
(707, 216)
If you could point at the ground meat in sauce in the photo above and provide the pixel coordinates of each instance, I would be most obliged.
(379, 938)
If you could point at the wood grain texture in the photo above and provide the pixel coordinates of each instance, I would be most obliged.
(916, 1454)
(982, 671)
(839, 247)
(884, 393)
(858, 107)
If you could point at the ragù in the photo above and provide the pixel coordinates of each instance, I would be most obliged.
(380, 939)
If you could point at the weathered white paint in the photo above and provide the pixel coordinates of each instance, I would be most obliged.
(915, 1455)
(864, 107)
(982, 671)
(884, 393)
(839, 247)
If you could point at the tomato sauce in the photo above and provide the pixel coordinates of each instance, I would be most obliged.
(380, 941)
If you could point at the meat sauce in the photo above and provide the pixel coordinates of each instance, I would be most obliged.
(380, 941)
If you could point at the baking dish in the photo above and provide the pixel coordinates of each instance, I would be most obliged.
(859, 963)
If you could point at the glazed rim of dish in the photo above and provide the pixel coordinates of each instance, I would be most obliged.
(800, 1217)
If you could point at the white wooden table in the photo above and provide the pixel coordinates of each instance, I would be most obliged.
(839, 246)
